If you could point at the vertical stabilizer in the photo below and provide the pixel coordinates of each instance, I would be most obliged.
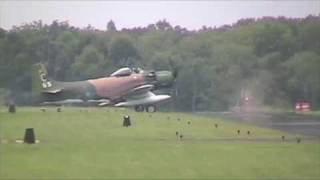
(40, 81)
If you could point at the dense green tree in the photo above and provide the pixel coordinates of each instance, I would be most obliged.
(111, 26)
(304, 76)
(123, 52)
(275, 59)
(308, 34)
(89, 64)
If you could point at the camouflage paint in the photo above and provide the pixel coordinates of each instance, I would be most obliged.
(116, 87)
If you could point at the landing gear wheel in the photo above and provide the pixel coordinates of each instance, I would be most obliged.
(151, 108)
(139, 108)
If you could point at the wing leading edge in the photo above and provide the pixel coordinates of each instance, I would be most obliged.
(142, 95)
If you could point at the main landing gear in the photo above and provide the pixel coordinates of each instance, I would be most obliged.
(148, 108)
(139, 108)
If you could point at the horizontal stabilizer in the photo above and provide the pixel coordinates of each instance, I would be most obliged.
(53, 91)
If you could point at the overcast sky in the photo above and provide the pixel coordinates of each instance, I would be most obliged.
(128, 14)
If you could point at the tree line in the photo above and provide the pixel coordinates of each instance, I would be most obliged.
(274, 61)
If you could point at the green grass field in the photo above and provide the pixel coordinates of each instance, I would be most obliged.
(80, 143)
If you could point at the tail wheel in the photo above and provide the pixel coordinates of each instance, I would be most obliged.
(151, 108)
(139, 108)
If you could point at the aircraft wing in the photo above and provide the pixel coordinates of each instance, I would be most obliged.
(64, 102)
(100, 102)
(142, 98)
(140, 90)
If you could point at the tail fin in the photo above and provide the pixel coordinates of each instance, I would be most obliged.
(40, 81)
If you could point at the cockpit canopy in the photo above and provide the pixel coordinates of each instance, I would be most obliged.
(122, 72)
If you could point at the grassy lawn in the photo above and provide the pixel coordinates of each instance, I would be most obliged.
(80, 143)
(315, 113)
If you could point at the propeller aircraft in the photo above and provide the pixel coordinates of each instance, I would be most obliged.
(123, 88)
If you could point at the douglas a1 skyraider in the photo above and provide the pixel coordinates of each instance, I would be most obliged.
(123, 88)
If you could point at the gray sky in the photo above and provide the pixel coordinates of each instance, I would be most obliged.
(128, 14)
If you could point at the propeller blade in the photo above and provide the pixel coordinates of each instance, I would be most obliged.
(174, 69)
(175, 73)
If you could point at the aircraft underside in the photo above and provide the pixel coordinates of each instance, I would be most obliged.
(140, 104)
(100, 103)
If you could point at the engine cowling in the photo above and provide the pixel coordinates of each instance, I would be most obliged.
(164, 78)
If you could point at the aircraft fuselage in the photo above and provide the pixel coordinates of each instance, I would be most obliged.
(111, 88)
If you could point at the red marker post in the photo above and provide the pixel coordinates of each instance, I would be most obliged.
(303, 107)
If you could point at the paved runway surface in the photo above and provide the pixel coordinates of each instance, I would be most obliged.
(289, 122)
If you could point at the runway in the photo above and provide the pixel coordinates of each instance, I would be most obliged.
(294, 123)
